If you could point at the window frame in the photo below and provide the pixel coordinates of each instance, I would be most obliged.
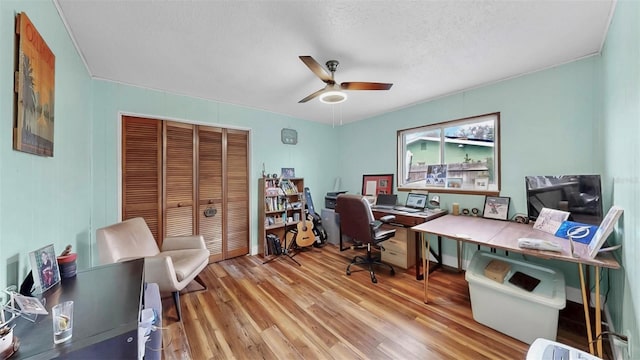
(401, 156)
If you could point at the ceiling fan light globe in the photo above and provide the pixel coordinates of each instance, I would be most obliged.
(333, 97)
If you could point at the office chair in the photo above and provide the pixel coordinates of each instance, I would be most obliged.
(358, 223)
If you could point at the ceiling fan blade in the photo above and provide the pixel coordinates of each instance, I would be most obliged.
(316, 68)
(365, 86)
(315, 94)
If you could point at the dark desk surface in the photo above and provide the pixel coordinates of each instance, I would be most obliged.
(106, 305)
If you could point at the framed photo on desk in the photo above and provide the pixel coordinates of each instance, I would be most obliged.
(496, 207)
(377, 184)
(44, 266)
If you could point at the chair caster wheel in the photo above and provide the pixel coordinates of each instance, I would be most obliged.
(348, 272)
(393, 272)
(374, 280)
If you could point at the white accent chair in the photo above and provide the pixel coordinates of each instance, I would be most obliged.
(173, 267)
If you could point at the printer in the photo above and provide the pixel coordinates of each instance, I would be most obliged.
(330, 199)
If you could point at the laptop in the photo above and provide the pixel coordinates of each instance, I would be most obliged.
(415, 203)
(386, 201)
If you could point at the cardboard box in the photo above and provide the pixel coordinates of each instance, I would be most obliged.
(496, 270)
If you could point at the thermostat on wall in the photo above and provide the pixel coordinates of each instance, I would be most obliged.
(289, 136)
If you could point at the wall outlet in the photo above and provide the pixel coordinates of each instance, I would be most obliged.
(620, 349)
(630, 352)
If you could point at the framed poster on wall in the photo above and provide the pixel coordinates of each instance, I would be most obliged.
(377, 184)
(35, 87)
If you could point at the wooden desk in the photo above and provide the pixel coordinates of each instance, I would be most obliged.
(504, 235)
(408, 220)
(105, 316)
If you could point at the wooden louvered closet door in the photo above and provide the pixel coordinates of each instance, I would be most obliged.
(188, 179)
(210, 190)
(142, 172)
(237, 194)
(179, 179)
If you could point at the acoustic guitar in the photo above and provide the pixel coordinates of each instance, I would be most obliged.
(305, 236)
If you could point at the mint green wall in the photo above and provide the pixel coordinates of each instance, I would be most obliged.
(581, 117)
(45, 200)
(312, 158)
(621, 133)
(549, 109)
(62, 200)
(577, 118)
(542, 115)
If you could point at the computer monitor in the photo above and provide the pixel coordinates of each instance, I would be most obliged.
(416, 200)
(580, 195)
(386, 200)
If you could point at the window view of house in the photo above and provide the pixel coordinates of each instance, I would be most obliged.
(459, 155)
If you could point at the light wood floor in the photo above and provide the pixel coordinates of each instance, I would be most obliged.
(281, 310)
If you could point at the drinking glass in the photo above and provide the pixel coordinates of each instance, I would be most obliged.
(62, 322)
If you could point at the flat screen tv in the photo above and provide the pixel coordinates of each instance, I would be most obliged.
(580, 195)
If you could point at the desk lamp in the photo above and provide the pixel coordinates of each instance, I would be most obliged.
(434, 202)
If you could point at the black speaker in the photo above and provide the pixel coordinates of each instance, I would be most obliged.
(27, 285)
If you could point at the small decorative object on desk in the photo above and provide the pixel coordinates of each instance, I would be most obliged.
(67, 263)
(496, 207)
(30, 305)
(44, 267)
(9, 343)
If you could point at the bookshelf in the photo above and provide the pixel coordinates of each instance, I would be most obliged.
(280, 200)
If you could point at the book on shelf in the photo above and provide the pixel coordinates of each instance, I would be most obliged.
(289, 187)
(273, 191)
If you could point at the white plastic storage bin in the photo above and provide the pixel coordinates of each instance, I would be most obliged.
(510, 309)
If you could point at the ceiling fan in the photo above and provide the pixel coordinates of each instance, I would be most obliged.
(332, 93)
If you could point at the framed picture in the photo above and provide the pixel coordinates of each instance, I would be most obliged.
(35, 88)
(44, 266)
(30, 305)
(482, 183)
(377, 184)
(436, 175)
(288, 173)
(496, 207)
(454, 183)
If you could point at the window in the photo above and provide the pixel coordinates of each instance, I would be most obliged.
(458, 156)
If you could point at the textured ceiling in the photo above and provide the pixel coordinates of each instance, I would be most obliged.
(246, 52)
